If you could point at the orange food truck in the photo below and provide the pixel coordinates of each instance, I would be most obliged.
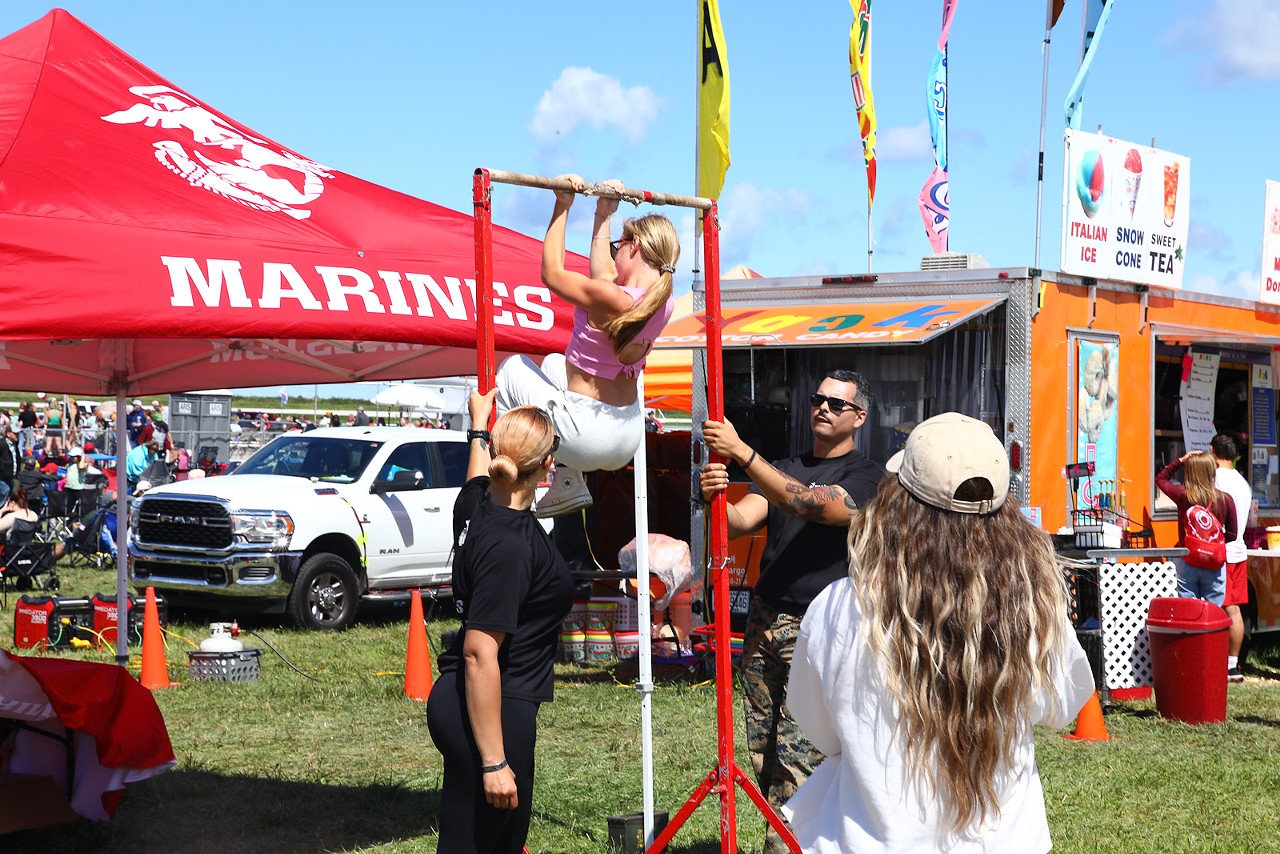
(1067, 369)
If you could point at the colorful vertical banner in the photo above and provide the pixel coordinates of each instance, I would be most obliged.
(1125, 211)
(1096, 13)
(713, 102)
(860, 78)
(935, 205)
(1055, 11)
(1269, 290)
(1097, 420)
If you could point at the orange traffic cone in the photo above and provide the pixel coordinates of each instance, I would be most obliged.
(1089, 723)
(417, 664)
(155, 670)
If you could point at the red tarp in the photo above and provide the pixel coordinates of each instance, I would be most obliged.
(148, 239)
(119, 733)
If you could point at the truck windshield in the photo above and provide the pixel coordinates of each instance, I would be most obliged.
(299, 455)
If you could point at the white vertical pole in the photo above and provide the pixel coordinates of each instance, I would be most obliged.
(870, 248)
(122, 522)
(643, 620)
(1044, 99)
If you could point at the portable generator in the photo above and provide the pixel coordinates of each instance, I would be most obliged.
(52, 622)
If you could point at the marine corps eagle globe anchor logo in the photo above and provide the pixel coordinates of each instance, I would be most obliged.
(218, 157)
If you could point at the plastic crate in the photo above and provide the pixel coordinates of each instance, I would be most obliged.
(242, 666)
(1087, 525)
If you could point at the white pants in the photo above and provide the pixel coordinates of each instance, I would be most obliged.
(593, 435)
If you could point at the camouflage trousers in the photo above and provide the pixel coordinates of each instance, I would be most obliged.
(780, 754)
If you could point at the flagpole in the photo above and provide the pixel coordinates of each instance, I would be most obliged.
(1044, 102)
(946, 127)
(870, 248)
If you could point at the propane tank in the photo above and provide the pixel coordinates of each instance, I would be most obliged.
(222, 638)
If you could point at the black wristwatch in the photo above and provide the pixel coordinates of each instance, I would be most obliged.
(480, 434)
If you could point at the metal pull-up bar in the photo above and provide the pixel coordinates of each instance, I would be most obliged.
(598, 190)
(726, 773)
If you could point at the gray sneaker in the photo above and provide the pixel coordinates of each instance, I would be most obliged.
(568, 493)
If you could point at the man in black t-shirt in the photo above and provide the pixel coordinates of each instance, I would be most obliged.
(805, 504)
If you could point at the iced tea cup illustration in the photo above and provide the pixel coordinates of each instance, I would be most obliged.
(1170, 193)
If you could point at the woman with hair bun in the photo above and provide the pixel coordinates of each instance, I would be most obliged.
(922, 673)
(512, 590)
(619, 311)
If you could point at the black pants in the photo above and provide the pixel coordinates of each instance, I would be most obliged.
(468, 825)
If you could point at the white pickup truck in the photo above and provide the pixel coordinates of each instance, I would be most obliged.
(309, 525)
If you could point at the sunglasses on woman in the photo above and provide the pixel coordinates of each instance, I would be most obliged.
(835, 404)
(615, 245)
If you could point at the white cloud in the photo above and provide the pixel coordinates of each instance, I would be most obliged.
(1210, 241)
(1239, 285)
(580, 96)
(744, 208)
(1243, 35)
(905, 143)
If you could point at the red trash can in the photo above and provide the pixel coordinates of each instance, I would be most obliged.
(1189, 659)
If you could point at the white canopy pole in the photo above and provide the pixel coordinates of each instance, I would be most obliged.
(122, 522)
(644, 680)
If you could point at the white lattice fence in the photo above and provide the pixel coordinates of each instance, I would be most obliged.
(1126, 590)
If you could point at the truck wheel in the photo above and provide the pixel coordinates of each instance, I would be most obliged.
(324, 595)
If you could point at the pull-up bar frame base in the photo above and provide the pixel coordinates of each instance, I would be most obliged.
(726, 775)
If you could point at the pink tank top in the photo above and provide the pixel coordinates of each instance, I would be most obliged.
(591, 351)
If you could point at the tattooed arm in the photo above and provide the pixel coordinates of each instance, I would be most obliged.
(826, 505)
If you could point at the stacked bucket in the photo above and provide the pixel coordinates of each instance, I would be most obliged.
(600, 630)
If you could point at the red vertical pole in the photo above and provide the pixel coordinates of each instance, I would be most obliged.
(719, 547)
(482, 195)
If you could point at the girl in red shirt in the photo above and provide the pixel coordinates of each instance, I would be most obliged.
(1197, 487)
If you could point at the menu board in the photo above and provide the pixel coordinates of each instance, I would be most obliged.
(1263, 428)
(1126, 211)
(1269, 288)
(1198, 390)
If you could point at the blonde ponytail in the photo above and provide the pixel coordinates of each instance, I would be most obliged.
(660, 248)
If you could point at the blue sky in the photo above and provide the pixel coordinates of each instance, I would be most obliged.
(415, 95)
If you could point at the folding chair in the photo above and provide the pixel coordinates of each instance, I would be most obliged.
(25, 558)
(53, 515)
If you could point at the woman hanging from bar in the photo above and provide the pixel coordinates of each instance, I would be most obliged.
(619, 310)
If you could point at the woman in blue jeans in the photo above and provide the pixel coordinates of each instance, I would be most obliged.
(1197, 487)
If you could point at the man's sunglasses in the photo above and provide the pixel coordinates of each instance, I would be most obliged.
(835, 404)
(555, 444)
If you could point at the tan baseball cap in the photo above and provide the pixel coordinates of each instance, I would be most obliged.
(943, 452)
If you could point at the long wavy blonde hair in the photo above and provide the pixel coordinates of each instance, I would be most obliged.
(964, 613)
(660, 248)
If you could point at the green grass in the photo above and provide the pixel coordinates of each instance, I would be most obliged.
(345, 763)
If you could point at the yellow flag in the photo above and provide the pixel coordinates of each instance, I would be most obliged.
(713, 103)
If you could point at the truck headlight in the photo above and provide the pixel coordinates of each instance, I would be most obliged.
(270, 527)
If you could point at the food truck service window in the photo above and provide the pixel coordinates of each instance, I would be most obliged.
(963, 368)
(1202, 388)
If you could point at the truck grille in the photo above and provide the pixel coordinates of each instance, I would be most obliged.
(186, 524)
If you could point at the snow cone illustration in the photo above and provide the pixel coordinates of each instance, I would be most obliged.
(1132, 178)
(1091, 182)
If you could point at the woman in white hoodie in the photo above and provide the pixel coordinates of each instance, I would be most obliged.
(921, 675)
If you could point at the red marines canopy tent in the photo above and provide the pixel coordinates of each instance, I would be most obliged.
(150, 243)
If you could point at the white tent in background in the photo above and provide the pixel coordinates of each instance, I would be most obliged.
(410, 396)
